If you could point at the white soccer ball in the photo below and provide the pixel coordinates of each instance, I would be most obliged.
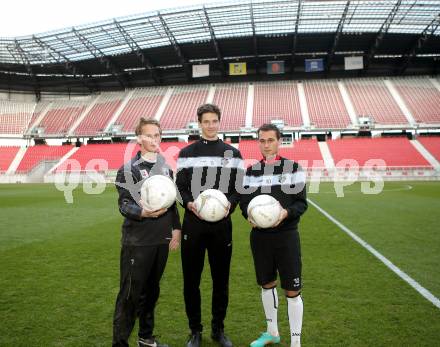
(212, 205)
(264, 211)
(158, 192)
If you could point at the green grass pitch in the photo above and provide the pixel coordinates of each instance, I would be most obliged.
(59, 271)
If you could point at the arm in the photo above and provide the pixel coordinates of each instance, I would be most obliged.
(246, 197)
(237, 181)
(127, 205)
(176, 218)
(298, 203)
(183, 182)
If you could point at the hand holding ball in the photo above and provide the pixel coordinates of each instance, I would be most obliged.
(158, 192)
(212, 205)
(264, 211)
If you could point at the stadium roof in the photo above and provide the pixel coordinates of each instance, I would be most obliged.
(258, 30)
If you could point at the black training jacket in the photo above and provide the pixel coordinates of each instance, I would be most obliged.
(136, 230)
(285, 181)
(208, 164)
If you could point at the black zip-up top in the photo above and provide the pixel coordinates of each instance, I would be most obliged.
(136, 230)
(285, 181)
(208, 164)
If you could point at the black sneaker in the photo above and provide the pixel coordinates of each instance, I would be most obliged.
(151, 342)
(195, 339)
(221, 338)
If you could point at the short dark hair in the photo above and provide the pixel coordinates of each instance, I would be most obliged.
(269, 127)
(144, 121)
(205, 108)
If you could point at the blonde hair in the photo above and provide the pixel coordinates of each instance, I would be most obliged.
(144, 121)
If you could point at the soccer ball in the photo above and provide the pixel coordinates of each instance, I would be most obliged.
(158, 192)
(264, 211)
(212, 205)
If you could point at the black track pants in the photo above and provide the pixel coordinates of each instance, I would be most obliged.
(216, 238)
(141, 270)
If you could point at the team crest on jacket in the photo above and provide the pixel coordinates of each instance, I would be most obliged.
(225, 161)
(283, 179)
(144, 173)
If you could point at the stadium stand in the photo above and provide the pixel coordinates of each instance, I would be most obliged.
(325, 105)
(15, 117)
(371, 97)
(61, 116)
(397, 152)
(272, 100)
(306, 152)
(432, 144)
(182, 106)
(98, 117)
(232, 100)
(144, 103)
(7, 155)
(36, 154)
(303, 151)
(40, 108)
(421, 98)
(276, 101)
(115, 155)
(111, 156)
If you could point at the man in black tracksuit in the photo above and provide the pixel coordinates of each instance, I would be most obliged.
(277, 250)
(146, 238)
(207, 163)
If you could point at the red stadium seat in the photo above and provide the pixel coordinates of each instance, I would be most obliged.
(325, 104)
(432, 144)
(182, 106)
(277, 101)
(421, 97)
(397, 152)
(232, 100)
(36, 154)
(371, 97)
(7, 155)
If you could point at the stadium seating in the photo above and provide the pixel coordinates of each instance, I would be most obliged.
(306, 152)
(303, 151)
(36, 154)
(143, 103)
(370, 97)
(97, 118)
(61, 116)
(115, 155)
(112, 156)
(232, 100)
(271, 100)
(15, 117)
(432, 144)
(182, 106)
(325, 104)
(421, 98)
(7, 155)
(39, 108)
(397, 152)
(276, 101)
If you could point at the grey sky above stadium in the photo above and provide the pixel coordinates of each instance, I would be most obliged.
(24, 17)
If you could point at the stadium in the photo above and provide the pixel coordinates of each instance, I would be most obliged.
(354, 87)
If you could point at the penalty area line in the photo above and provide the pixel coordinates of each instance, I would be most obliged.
(412, 282)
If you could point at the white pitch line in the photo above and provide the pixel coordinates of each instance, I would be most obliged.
(413, 283)
(404, 188)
